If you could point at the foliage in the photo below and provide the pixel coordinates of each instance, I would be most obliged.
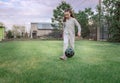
(18, 31)
(58, 13)
(111, 12)
(9, 34)
(83, 17)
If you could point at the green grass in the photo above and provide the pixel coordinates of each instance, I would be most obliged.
(38, 62)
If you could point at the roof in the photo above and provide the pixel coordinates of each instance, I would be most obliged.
(45, 26)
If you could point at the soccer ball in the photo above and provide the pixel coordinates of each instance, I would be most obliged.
(69, 52)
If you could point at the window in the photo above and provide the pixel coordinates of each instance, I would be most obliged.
(40, 26)
(44, 26)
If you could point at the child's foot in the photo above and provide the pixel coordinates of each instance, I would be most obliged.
(63, 57)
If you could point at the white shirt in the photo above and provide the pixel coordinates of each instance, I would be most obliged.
(69, 26)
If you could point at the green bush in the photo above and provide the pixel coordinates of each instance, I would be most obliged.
(9, 34)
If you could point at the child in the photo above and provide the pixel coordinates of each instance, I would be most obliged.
(69, 23)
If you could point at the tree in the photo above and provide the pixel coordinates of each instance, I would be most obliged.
(9, 34)
(18, 31)
(26, 35)
(58, 14)
(95, 24)
(112, 16)
(89, 13)
(83, 18)
(22, 30)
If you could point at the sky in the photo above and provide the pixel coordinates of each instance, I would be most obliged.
(23, 12)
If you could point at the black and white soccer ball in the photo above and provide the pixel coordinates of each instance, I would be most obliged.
(69, 52)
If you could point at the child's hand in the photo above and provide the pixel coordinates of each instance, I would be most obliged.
(79, 34)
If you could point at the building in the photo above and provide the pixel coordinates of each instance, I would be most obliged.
(40, 29)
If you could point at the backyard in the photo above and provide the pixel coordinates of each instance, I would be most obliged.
(38, 62)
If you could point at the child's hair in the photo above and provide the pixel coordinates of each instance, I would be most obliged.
(71, 14)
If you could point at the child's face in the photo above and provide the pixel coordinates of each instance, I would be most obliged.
(67, 15)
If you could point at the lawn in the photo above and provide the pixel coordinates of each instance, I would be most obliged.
(38, 62)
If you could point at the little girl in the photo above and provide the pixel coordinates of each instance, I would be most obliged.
(69, 23)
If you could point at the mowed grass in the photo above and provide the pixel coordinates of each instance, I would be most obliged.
(38, 62)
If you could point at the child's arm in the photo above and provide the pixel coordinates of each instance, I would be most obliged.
(78, 26)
